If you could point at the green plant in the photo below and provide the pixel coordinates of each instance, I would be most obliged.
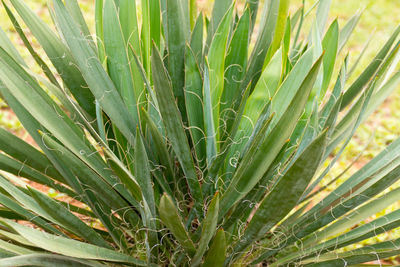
(210, 152)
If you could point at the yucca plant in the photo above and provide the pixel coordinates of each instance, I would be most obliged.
(174, 139)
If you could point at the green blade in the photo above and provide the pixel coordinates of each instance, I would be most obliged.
(351, 203)
(369, 72)
(322, 14)
(161, 147)
(216, 60)
(264, 40)
(286, 92)
(330, 46)
(192, 13)
(223, 156)
(381, 225)
(235, 66)
(241, 210)
(360, 56)
(70, 247)
(173, 124)
(257, 101)
(209, 123)
(60, 56)
(281, 20)
(378, 167)
(219, 10)
(24, 152)
(155, 22)
(76, 13)
(170, 217)
(99, 29)
(143, 177)
(24, 200)
(252, 168)
(92, 70)
(9, 46)
(17, 168)
(348, 29)
(16, 250)
(216, 254)
(43, 108)
(253, 6)
(337, 90)
(46, 260)
(117, 58)
(370, 253)
(179, 31)
(196, 39)
(292, 184)
(25, 213)
(311, 221)
(142, 174)
(145, 43)
(107, 192)
(33, 126)
(130, 29)
(66, 219)
(194, 105)
(209, 227)
(28, 45)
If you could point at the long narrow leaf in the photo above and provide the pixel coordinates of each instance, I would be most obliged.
(173, 124)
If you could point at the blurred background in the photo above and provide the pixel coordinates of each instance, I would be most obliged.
(379, 19)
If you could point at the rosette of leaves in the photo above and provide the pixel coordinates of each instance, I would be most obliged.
(172, 138)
